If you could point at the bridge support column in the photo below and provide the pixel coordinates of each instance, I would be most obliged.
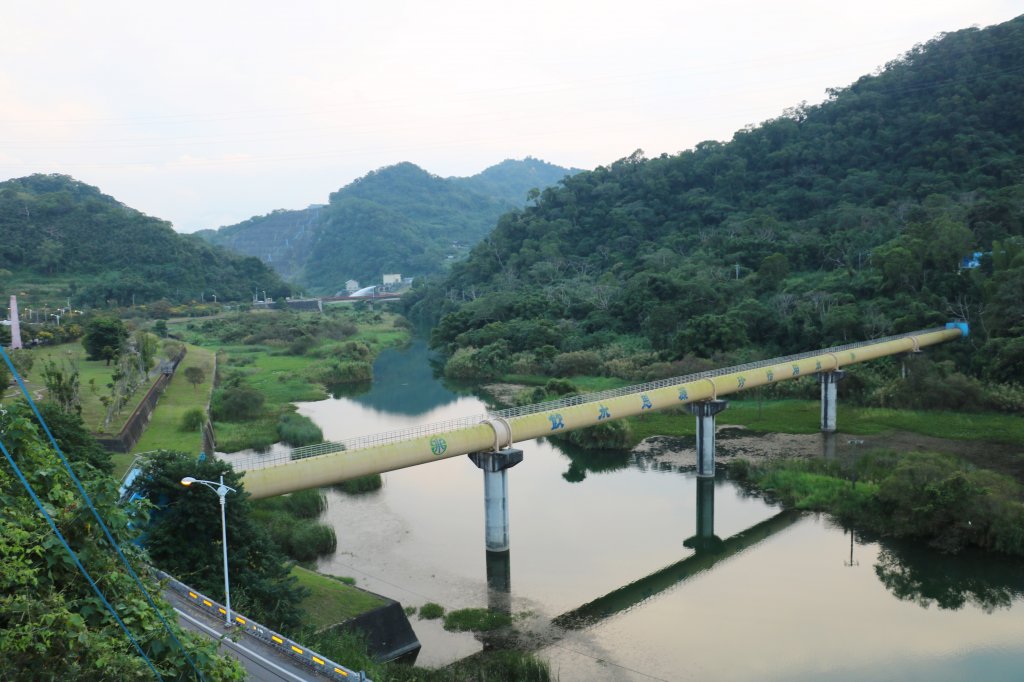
(705, 413)
(494, 466)
(828, 398)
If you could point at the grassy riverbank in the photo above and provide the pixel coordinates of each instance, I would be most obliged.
(331, 600)
(165, 431)
(270, 359)
(804, 416)
(939, 499)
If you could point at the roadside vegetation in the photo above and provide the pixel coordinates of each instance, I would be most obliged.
(48, 612)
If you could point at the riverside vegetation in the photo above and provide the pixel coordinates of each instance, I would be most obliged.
(935, 498)
(271, 359)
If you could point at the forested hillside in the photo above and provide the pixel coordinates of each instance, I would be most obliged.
(281, 239)
(834, 222)
(397, 219)
(56, 226)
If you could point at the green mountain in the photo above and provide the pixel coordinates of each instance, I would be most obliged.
(399, 219)
(831, 223)
(58, 227)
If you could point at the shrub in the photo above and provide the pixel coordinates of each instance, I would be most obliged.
(237, 402)
(560, 387)
(333, 372)
(305, 504)
(462, 365)
(193, 419)
(576, 363)
(611, 435)
(525, 363)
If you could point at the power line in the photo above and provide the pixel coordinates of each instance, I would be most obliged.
(74, 556)
(96, 515)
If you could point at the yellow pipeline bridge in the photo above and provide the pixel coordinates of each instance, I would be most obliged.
(329, 463)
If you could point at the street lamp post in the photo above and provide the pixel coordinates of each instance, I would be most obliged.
(222, 493)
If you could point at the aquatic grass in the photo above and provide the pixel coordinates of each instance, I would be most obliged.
(817, 492)
(298, 430)
(431, 611)
(362, 484)
(475, 620)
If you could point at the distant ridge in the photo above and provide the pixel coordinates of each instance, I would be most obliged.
(398, 219)
(61, 228)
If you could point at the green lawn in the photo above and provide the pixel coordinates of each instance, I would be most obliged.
(94, 375)
(164, 430)
(804, 416)
(331, 601)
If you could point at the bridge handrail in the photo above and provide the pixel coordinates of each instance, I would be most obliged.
(396, 436)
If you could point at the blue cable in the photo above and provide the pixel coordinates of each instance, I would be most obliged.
(96, 515)
(78, 563)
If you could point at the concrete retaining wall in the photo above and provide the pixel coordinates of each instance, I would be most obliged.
(132, 430)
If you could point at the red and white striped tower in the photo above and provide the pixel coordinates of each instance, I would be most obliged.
(15, 326)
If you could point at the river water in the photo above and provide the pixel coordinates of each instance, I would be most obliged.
(627, 567)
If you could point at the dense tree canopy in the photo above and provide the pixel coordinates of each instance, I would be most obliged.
(55, 225)
(399, 219)
(832, 223)
(184, 539)
(52, 624)
(104, 338)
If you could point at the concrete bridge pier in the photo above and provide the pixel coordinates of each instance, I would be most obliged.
(705, 412)
(828, 382)
(494, 465)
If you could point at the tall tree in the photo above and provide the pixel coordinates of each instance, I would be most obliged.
(104, 338)
(184, 539)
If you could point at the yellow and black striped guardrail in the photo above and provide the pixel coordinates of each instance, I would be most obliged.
(304, 655)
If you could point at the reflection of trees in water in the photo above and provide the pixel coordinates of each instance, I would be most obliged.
(582, 461)
(404, 382)
(926, 577)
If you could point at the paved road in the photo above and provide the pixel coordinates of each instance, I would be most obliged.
(261, 661)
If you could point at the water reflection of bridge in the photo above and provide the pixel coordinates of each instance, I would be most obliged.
(708, 551)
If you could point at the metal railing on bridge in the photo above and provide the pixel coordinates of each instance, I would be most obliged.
(400, 435)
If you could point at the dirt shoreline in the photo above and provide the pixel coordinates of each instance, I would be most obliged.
(737, 442)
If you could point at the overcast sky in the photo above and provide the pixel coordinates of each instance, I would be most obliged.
(206, 113)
